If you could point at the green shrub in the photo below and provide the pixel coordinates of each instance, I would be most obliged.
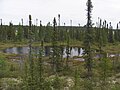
(2, 66)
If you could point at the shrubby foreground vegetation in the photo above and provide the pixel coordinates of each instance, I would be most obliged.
(38, 72)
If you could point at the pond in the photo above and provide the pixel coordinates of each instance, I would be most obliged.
(74, 51)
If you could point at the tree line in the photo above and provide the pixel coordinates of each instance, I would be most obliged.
(21, 33)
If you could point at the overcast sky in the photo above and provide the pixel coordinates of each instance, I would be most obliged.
(46, 10)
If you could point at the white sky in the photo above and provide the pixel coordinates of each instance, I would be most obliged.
(46, 10)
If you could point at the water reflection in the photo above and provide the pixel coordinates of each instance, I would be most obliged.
(74, 51)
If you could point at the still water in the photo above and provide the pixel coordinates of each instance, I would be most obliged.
(74, 51)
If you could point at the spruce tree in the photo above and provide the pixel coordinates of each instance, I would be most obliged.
(67, 49)
(20, 33)
(40, 31)
(88, 52)
(31, 63)
(105, 69)
(28, 78)
(40, 69)
(10, 32)
(111, 36)
(1, 30)
(88, 40)
(56, 62)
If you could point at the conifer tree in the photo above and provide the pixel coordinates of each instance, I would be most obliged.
(100, 37)
(88, 40)
(56, 49)
(105, 68)
(40, 70)
(88, 52)
(11, 32)
(111, 36)
(104, 33)
(20, 33)
(4, 35)
(40, 31)
(1, 30)
(28, 79)
(67, 49)
(116, 34)
(31, 63)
